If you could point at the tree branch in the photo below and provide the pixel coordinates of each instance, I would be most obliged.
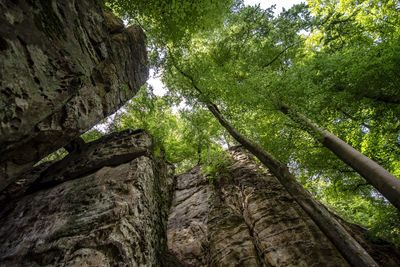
(280, 53)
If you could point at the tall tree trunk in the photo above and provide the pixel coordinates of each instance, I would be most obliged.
(344, 242)
(385, 182)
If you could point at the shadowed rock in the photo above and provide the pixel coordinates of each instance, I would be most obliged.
(64, 66)
(247, 218)
(110, 211)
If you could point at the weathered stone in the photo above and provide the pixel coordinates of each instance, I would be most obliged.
(88, 158)
(64, 66)
(115, 215)
(247, 218)
(187, 221)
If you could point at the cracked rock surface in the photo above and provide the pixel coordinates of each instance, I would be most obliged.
(109, 213)
(247, 218)
(64, 66)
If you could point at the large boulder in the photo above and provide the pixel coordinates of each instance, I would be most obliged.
(64, 66)
(108, 209)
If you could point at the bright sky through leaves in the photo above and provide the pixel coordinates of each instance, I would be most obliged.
(156, 82)
(279, 4)
(335, 63)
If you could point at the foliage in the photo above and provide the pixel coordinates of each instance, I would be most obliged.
(216, 167)
(92, 134)
(339, 77)
(364, 22)
(57, 155)
(170, 22)
(186, 137)
(334, 61)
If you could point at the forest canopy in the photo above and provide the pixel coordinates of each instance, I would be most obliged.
(334, 62)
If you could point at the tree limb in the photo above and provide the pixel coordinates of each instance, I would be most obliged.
(282, 52)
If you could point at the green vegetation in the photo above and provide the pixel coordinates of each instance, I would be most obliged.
(348, 86)
(59, 154)
(170, 22)
(336, 62)
(187, 137)
(216, 167)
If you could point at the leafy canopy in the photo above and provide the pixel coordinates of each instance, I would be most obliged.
(346, 84)
(334, 61)
(170, 22)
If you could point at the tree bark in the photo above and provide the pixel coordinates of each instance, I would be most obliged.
(351, 250)
(344, 242)
(385, 182)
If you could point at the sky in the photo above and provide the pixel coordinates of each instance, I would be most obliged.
(279, 4)
(156, 82)
(158, 86)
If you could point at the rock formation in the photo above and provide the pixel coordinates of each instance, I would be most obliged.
(65, 65)
(247, 218)
(108, 208)
(106, 204)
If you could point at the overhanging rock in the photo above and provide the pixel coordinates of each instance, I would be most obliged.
(64, 66)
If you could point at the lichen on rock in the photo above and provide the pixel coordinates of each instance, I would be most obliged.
(65, 65)
(247, 218)
(113, 214)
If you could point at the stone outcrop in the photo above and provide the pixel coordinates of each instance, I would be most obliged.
(106, 204)
(107, 208)
(247, 218)
(64, 66)
(187, 221)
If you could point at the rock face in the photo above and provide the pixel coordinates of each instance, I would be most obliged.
(64, 66)
(187, 221)
(108, 208)
(106, 204)
(248, 219)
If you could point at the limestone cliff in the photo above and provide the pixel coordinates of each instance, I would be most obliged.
(64, 66)
(247, 218)
(108, 208)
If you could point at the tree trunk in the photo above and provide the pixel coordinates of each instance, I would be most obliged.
(385, 182)
(344, 242)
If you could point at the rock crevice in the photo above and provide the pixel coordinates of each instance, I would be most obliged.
(247, 218)
(65, 65)
(114, 216)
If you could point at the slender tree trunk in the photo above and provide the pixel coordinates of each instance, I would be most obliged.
(351, 250)
(344, 242)
(376, 175)
(198, 153)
